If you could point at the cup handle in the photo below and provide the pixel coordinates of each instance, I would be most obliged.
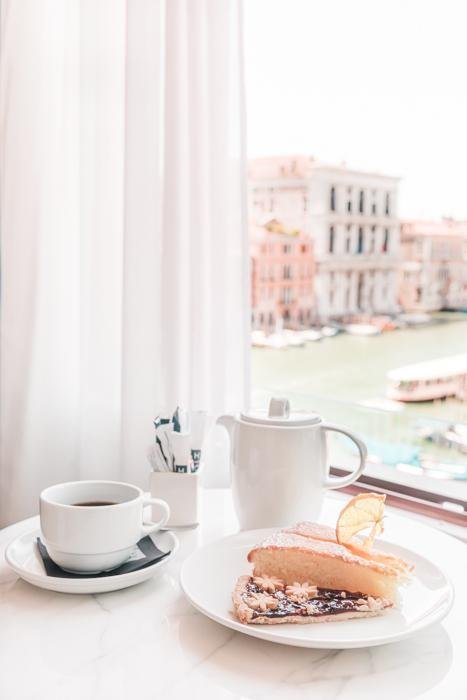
(147, 528)
(336, 482)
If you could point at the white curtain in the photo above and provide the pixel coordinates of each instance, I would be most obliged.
(124, 259)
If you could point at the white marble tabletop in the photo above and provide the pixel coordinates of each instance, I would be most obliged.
(148, 642)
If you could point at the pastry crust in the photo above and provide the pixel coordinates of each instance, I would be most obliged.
(247, 615)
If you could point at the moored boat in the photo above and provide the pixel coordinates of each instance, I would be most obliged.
(311, 335)
(364, 329)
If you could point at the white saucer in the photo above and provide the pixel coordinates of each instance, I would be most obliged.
(23, 557)
(209, 575)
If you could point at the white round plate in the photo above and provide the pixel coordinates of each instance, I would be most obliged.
(209, 575)
(23, 557)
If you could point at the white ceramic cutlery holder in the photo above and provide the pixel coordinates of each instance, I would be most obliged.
(181, 492)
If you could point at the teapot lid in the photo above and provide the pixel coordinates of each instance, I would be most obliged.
(279, 414)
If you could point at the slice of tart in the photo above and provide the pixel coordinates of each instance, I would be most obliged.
(312, 573)
(269, 601)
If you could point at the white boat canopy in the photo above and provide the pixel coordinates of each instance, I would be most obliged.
(432, 369)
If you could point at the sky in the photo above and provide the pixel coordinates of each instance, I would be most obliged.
(378, 84)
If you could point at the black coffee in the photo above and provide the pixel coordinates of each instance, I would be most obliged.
(95, 503)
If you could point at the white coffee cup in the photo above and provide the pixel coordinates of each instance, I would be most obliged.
(88, 539)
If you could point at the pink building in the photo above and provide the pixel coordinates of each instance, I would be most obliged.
(282, 275)
(433, 271)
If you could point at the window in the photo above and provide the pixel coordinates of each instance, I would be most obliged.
(386, 240)
(287, 248)
(351, 213)
(271, 199)
(360, 240)
(271, 319)
(304, 248)
(361, 202)
(287, 295)
(287, 273)
(387, 204)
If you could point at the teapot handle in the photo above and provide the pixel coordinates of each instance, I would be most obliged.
(336, 482)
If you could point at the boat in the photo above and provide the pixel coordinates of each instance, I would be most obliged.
(258, 339)
(414, 319)
(445, 434)
(293, 338)
(276, 341)
(364, 329)
(426, 381)
(311, 335)
(329, 331)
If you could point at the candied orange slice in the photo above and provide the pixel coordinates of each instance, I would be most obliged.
(362, 512)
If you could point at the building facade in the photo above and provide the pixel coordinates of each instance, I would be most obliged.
(351, 217)
(433, 272)
(282, 274)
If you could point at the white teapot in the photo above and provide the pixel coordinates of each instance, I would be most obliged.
(279, 465)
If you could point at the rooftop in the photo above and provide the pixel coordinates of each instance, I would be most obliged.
(443, 228)
(300, 167)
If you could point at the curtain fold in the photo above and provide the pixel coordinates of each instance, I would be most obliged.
(124, 258)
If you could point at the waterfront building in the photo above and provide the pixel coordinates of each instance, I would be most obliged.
(352, 219)
(433, 272)
(282, 273)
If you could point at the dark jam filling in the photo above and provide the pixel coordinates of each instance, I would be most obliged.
(326, 602)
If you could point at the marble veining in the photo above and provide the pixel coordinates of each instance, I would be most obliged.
(148, 642)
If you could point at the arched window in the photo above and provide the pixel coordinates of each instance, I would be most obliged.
(361, 202)
(331, 239)
(360, 240)
(332, 199)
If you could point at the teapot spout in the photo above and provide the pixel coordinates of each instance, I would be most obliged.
(228, 422)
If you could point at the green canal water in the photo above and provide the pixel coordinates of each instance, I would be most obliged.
(350, 369)
(335, 375)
